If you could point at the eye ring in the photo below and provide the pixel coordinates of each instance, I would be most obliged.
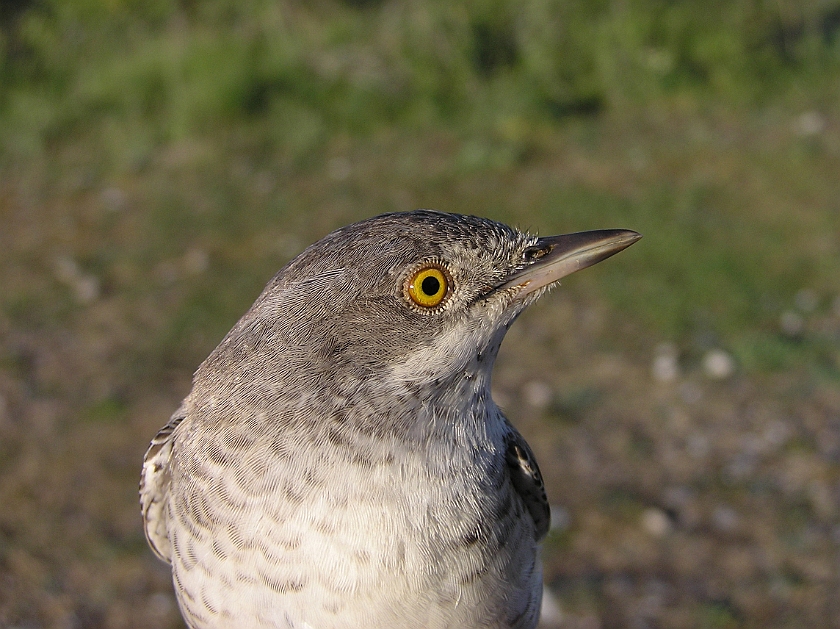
(428, 287)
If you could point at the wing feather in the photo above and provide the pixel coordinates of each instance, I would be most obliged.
(527, 481)
(154, 488)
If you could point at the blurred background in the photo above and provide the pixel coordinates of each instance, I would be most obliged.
(161, 159)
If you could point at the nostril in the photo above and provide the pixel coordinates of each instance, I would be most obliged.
(532, 254)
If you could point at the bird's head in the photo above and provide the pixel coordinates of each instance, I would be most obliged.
(408, 298)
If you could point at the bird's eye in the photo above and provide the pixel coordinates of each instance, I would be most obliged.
(428, 286)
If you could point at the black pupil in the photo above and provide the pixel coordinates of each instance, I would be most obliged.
(430, 285)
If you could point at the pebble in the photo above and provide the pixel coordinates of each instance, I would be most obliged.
(665, 366)
(656, 522)
(551, 615)
(718, 364)
(810, 123)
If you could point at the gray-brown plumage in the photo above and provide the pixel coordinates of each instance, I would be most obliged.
(339, 462)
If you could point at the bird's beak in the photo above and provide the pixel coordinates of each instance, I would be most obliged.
(555, 257)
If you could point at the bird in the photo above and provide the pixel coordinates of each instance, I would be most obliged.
(339, 461)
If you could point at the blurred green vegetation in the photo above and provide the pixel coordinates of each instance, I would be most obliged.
(107, 87)
(174, 69)
(178, 68)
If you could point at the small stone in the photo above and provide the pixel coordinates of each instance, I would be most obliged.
(537, 393)
(656, 522)
(810, 123)
(718, 364)
(791, 323)
(551, 615)
(665, 366)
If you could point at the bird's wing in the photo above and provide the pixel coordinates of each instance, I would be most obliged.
(527, 480)
(154, 488)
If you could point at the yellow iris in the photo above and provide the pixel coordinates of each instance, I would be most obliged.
(428, 286)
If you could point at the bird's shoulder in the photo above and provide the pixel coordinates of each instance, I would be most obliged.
(154, 487)
(527, 480)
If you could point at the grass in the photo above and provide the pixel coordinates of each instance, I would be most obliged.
(177, 154)
(108, 90)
